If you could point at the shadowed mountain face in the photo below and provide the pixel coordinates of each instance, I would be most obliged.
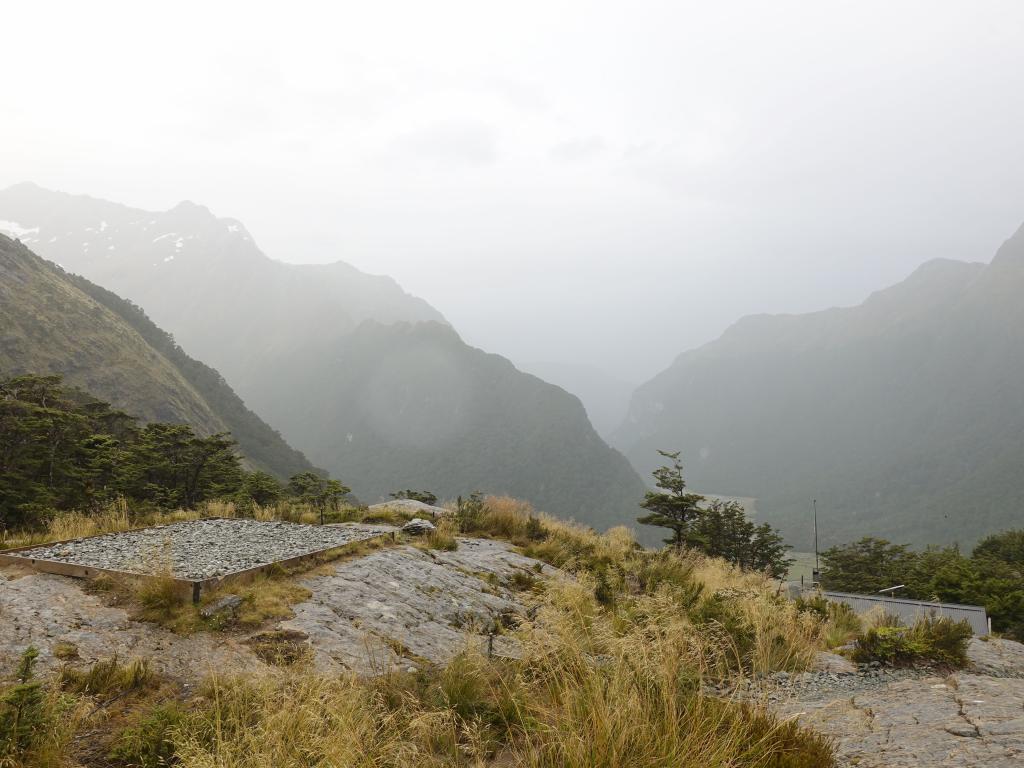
(366, 379)
(903, 417)
(425, 410)
(52, 322)
(605, 397)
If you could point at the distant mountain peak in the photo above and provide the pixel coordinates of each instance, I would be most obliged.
(902, 415)
(1012, 250)
(187, 206)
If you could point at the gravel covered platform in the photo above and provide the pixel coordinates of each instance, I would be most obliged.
(197, 550)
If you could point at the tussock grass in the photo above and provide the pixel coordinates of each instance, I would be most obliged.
(265, 598)
(72, 525)
(611, 672)
(589, 690)
(443, 537)
(114, 518)
(755, 629)
(109, 677)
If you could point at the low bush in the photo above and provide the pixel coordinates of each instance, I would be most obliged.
(36, 721)
(443, 536)
(937, 640)
(148, 742)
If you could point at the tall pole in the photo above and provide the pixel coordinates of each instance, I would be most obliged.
(814, 503)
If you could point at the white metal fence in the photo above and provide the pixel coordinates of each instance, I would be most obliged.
(911, 610)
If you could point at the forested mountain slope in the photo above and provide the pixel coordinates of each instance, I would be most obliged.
(54, 322)
(364, 378)
(204, 280)
(416, 407)
(903, 417)
(606, 397)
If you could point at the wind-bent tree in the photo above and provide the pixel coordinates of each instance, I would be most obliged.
(719, 529)
(724, 530)
(672, 507)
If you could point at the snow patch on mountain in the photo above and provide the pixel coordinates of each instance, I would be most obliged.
(14, 229)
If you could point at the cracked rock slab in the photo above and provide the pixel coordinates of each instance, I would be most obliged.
(41, 610)
(964, 720)
(998, 658)
(402, 605)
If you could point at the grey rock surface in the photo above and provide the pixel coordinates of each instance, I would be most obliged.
(202, 549)
(920, 718)
(411, 506)
(225, 604)
(418, 527)
(998, 658)
(402, 604)
(41, 610)
(834, 663)
(397, 605)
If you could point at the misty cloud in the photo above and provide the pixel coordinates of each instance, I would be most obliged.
(578, 150)
(551, 160)
(469, 144)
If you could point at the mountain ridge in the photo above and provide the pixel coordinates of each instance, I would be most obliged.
(58, 323)
(900, 414)
(324, 351)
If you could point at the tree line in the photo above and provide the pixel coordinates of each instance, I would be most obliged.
(992, 575)
(61, 448)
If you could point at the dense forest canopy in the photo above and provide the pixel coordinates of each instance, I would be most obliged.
(61, 448)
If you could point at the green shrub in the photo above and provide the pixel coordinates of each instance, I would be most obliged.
(469, 513)
(939, 640)
(818, 605)
(23, 715)
(148, 743)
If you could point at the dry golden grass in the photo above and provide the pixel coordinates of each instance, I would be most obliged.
(755, 629)
(107, 677)
(443, 537)
(611, 672)
(115, 518)
(586, 692)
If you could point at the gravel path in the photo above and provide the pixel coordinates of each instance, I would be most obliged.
(203, 549)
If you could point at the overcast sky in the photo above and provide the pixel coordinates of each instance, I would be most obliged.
(572, 181)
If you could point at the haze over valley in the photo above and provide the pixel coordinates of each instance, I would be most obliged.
(563, 384)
